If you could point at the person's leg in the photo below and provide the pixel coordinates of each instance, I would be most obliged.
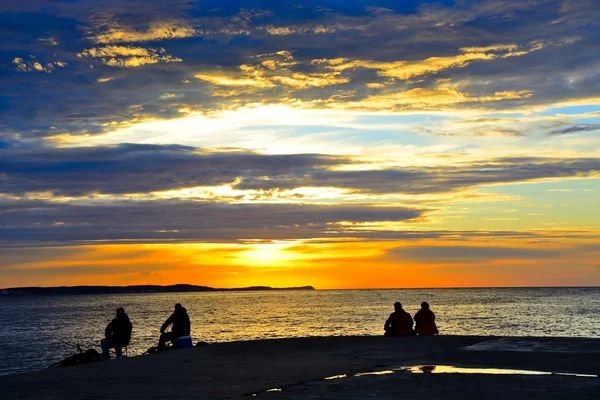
(164, 338)
(161, 341)
(104, 343)
(119, 352)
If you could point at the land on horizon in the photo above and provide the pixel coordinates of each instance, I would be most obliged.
(84, 289)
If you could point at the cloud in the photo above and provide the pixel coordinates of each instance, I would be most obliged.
(406, 70)
(131, 169)
(156, 31)
(49, 41)
(442, 179)
(39, 221)
(471, 254)
(272, 69)
(128, 56)
(140, 168)
(443, 97)
(30, 66)
(532, 55)
(576, 129)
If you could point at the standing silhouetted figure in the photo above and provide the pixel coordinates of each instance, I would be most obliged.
(425, 321)
(181, 326)
(117, 334)
(399, 323)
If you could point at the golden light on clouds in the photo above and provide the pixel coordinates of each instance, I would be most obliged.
(156, 31)
(406, 70)
(431, 98)
(128, 56)
(272, 72)
(32, 65)
(232, 81)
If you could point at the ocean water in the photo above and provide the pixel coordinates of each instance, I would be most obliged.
(37, 331)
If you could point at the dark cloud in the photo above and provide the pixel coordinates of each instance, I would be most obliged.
(25, 224)
(434, 180)
(30, 222)
(576, 129)
(130, 169)
(554, 58)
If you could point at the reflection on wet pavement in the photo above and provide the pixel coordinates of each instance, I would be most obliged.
(448, 369)
(441, 369)
(336, 377)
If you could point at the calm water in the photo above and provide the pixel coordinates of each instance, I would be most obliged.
(32, 328)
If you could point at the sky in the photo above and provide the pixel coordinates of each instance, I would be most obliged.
(338, 144)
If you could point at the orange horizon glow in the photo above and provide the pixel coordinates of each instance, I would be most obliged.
(357, 265)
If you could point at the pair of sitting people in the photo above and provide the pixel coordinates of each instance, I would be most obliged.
(400, 323)
(118, 332)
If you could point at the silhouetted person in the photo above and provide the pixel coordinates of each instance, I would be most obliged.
(181, 326)
(400, 323)
(425, 321)
(117, 334)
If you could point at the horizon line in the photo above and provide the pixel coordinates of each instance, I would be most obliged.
(323, 289)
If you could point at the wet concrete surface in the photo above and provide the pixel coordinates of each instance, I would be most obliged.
(298, 367)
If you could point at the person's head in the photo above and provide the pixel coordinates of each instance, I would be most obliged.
(397, 306)
(178, 307)
(120, 311)
(425, 305)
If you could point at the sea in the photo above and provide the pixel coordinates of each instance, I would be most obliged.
(38, 331)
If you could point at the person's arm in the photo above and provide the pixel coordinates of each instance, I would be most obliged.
(166, 324)
(388, 323)
(417, 318)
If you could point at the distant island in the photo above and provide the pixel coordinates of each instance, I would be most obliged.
(83, 290)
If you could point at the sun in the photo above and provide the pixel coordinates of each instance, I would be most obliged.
(269, 255)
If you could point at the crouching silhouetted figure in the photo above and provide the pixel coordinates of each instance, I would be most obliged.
(425, 321)
(117, 334)
(181, 327)
(400, 323)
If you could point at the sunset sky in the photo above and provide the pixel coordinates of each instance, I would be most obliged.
(333, 143)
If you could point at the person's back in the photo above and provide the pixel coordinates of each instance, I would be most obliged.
(425, 321)
(181, 327)
(181, 322)
(120, 329)
(400, 323)
(117, 334)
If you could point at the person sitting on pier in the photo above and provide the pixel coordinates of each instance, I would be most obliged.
(181, 327)
(117, 334)
(400, 323)
(425, 321)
